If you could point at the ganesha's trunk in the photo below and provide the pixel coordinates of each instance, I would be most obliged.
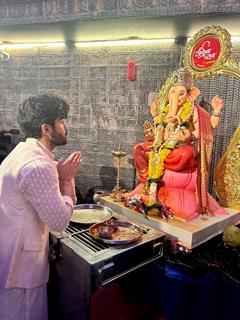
(173, 106)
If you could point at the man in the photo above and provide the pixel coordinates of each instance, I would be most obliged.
(35, 196)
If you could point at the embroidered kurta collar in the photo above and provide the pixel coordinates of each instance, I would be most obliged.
(36, 142)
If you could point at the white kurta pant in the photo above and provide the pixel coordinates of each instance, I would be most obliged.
(23, 304)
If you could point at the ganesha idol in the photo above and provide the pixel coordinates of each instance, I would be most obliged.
(173, 173)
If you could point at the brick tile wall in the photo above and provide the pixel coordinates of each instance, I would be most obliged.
(106, 108)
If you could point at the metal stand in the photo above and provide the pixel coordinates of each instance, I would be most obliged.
(119, 154)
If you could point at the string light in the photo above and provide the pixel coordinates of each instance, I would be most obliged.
(30, 45)
(123, 42)
(126, 42)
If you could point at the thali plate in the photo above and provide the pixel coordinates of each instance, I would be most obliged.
(125, 233)
(90, 213)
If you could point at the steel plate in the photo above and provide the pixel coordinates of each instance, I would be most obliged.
(90, 213)
(126, 232)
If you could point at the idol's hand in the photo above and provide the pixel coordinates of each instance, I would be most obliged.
(217, 104)
(174, 120)
(67, 169)
(154, 108)
(183, 135)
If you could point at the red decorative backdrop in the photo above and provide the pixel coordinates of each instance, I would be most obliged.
(205, 52)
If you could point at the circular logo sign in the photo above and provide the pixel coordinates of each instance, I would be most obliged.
(205, 52)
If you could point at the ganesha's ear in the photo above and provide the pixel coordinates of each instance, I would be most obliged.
(193, 93)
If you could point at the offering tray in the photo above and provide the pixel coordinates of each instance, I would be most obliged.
(125, 232)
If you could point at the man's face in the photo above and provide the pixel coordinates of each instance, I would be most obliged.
(59, 134)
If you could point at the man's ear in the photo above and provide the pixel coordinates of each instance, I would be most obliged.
(46, 129)
(193, 93)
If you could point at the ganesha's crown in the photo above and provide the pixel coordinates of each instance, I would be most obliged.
(182, 76)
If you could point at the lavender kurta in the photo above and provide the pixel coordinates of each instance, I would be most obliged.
(30, 204)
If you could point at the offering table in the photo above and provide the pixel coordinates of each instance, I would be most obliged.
(188, 234)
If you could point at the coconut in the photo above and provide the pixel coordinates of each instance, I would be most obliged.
(231, 236)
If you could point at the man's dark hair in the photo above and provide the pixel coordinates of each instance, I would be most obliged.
(37, 110)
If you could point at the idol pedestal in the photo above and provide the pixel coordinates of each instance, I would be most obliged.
(188, 234)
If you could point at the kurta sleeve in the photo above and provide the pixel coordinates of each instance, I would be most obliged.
(39, 183)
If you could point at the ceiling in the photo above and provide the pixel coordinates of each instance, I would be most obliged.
(119, 28)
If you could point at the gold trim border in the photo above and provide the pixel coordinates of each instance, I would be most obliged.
(225, 54)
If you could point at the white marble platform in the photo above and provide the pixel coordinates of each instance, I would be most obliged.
(188, 234)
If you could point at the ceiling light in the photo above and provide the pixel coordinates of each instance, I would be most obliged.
(235, 38)
(30, 45)
(122, 42)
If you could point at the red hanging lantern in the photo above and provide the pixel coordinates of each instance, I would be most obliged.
(131, 72)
